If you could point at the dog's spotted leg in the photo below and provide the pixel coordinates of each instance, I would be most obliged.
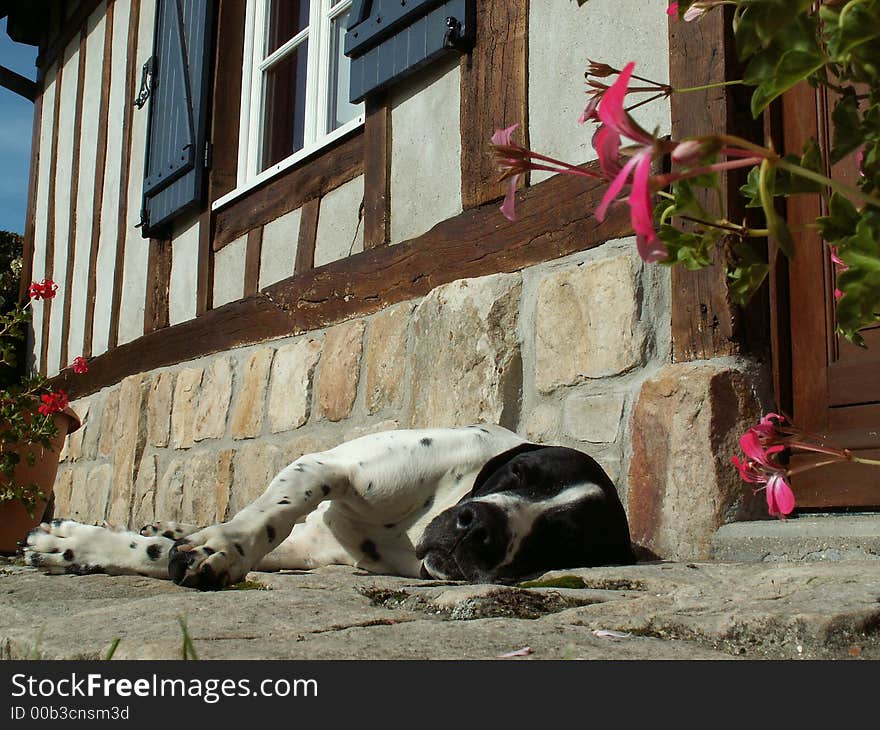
(65, 546)
(221, 555)
(171, 530)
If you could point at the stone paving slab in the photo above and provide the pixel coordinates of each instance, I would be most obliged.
(654, 611)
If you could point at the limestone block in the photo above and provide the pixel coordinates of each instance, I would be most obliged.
(254, 466)
(247, 417)
(169, 494)
(340, 370)
(129, 440)
(63, 492)
(183, 411)
(72, 450)
(542, 423)
(143, 502)
(207, 476)
(216, 392)
(587, 322)
(90, 494)
(159, 409)
(593, 418)
(108, 419)
(301, 444)
(466, 364)
(378, 427)
(385, 371)
(340, 231)
(92, 432)
(290, 394)
(685, 428)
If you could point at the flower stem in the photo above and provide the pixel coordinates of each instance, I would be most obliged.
(703, 87)
(860, 460)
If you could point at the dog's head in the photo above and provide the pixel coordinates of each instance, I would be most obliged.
(532, 509)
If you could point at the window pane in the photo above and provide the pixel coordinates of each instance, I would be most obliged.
(286, 19)
(284, 107)
(339, 109)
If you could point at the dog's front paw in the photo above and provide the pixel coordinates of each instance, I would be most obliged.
(210, 559)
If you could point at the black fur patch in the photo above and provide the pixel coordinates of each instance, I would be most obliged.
(429, 502)
(284, 501)
(368, 547)
(169, 534)
(308, 494)
(208, 551)
(270, 533)
(153, 552)
(239, 548)
(133, 545)
(426, 441)
(325, 488)
(68, 554)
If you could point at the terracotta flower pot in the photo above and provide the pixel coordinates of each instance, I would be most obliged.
(15, 522)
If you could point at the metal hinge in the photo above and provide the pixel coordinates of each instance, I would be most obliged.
(453, 38)
(147, 76)
(145, 219)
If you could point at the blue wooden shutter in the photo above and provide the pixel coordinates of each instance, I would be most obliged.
(177, 153)
(387, 40)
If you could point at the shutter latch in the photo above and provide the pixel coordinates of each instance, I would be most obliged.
(452, 39)
(146, 83)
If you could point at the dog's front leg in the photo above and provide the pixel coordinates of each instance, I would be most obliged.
(223, 554)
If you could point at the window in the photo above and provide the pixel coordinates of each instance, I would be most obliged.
(295, 84)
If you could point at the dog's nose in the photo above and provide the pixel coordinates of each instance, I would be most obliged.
(471, 523)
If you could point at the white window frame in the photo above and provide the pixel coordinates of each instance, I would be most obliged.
(316, 136)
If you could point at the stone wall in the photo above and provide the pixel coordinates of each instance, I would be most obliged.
(573, 352)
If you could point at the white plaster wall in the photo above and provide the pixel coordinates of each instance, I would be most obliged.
(112, 185)
(278, 254)
(41, 210)
(562, 39)
(340, 228)
(63, 178)
(134, 292)
(184, 273)
(87, 167)
(426, 151)
(229, 272)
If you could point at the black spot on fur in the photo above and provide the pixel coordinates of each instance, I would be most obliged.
(319, 463)
(133, 545)
(209, 551)
(270, 533)
(458, 478)
(308, 494)
(284, 501)
(325, 488)
(484, 430)
(57, 521)
(426, 441)
(239, 548)
(429, 502)
(368, 547)
(169, 534)
(298, 467)
(369, 486)
(153, 552)
(68, 554)
(390, 525)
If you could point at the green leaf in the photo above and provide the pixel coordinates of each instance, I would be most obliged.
(747, 275)
(688, 248)
(847, 135)
(777, 226)
(794, 66)
(841, 220)
(860, 283)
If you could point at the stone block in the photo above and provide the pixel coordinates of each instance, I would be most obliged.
(290, 390)
(207, 476)
(169, 494)
(74, 442)
(90, 494)
(63, 491)
(214, 398)
(340, 370)
(92, 432)
(378, 427)
(183, 411)
(247, 416)
(587, 322)
(466, 364)
(159, 409)
(129, 440)
(254, 466)
(301, 444)
(143, 502)
(593, 418)
(685, 428)
(542, 424)
(108, 420)
(385, 371)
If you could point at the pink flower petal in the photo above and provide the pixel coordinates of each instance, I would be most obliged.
(508, 207)
(590, 111)
(780, 498)
(606, 142)
(614, 188)
(651, 249)
(672, 10)
(502, 136)
(612, 113)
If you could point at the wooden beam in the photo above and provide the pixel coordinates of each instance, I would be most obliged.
(308, 237)
(226, 100)
(156, 308)
(27, 268)
(340, 163)
(74, 195)
(18, 84)
(205, 280)
(494, 93)
(100, 164)
(125, 169)
(69, 28)
(49, 268)
(377, 172)
(252, 257)
(554, 221)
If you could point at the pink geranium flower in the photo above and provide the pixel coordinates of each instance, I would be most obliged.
(618, 123)
(672, 10)
(780, 498)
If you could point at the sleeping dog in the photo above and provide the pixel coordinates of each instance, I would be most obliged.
(476, 503)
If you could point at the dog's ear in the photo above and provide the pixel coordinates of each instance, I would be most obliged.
(496, 462)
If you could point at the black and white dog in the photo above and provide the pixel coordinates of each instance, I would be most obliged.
(476, 503)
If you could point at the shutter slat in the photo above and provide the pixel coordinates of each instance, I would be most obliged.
(174, 166)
